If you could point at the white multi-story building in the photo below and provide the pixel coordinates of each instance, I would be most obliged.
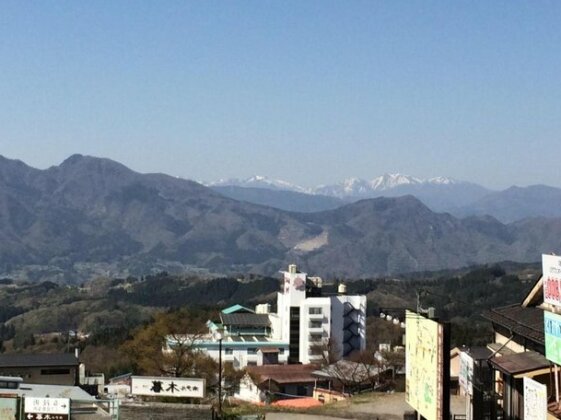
(311, 320)
(308, 323)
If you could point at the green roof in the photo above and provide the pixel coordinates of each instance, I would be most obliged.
(237, 308)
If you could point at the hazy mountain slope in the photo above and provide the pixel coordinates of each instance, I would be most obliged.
(281, 199)
(96, 212)
(516, 203)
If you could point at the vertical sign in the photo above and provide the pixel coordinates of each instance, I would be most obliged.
(535, 400)
(551, 269)
(466, 373)
(552, 332)
(424, 365)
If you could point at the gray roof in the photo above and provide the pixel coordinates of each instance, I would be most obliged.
(38, 360)
(245, 319)
(526, 322)
(52, 391)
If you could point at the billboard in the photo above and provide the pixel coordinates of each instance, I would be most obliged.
(161, 386)
(466, 372)
(424, 365)
(535, 400)
(552, 332)
(551, 269)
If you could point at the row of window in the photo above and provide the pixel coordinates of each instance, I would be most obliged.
(251, 350)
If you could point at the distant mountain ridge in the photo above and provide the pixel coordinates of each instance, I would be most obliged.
(92, 216)
(349, 187)
(442, 194)
(439, 193)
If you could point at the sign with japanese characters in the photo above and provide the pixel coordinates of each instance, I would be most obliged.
(551, 269)
(42, 416)
(466, 372)
(47, 405)
(168, 387)
(36, 408)
(424, 365)
(535, 400)
(552, 333)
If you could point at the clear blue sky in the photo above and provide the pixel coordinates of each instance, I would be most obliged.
(310, 92)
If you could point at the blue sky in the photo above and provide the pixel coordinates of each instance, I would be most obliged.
(310, 92)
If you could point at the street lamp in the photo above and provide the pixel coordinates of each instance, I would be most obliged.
(219, 337)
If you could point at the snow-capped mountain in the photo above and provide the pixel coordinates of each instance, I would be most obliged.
(439, 193)
(350, 187)
(356, 187)
(258, 181)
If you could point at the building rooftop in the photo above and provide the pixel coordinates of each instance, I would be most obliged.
(479, 352)
(282, 374)
(38, 360)
(245, 319)
(237, 308)
(351, 371)
(43, 391)
(519, 363)
(523, 321)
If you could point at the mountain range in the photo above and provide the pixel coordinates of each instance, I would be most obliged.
(91, 216)
(440, 194)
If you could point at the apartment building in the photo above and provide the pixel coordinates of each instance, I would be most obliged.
(307, 324)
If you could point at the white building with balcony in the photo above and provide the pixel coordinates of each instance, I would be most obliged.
(307, 323)
(310, 320)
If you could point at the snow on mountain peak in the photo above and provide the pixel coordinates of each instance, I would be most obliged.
(258, 181)
(388, 181)
(348, 187)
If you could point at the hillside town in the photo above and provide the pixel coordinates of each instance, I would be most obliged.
(308, 352)
(280, 210)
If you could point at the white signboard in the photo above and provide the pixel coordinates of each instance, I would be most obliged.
(47, 405)
(551, 269)
(535, 400)
(168, 387)
(466, 372)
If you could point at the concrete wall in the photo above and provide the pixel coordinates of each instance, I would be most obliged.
(161, 411)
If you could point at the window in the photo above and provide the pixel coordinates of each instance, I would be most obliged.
(315, 311)
(228, 350)
(252, 363)
(55, 371)
(252, 350)
(281, 351)
(8, 385)
(315, 324)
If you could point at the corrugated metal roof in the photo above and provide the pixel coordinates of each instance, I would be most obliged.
(520, 362)
(38, 360)
(524, 321)
(245, 319)
(282, 374)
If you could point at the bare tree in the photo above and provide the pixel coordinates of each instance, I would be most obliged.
(328, 351)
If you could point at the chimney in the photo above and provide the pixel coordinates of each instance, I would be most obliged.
(292, 268)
